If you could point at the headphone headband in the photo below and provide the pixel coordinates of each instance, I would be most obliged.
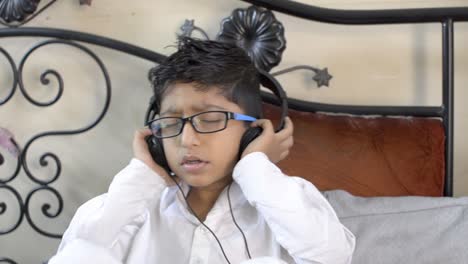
(151, 111)
(270, 82)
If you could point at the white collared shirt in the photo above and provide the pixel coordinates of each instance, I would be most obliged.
(141, 220)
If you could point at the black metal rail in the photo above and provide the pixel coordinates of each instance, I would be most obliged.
(364, 17)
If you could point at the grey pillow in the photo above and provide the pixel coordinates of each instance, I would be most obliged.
(407, 229)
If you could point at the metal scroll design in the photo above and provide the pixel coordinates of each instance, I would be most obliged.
(15, 78)
(22, 161)
(7, 260)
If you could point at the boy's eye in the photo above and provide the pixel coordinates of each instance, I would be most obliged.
(211, 120)
(211, 117)
(168, 123)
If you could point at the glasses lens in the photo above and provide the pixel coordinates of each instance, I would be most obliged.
(166, 127)
(210, 121)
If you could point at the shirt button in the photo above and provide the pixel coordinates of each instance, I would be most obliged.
(197, 261)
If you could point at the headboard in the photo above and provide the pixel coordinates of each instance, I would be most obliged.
(365, 150)
(445, 16)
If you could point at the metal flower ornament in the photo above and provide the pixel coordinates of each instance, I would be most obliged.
(258, 32)
(15, 13)
(17, 10)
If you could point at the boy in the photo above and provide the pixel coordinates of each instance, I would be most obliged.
(250, 211)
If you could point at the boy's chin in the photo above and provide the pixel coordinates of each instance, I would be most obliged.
(201, 181)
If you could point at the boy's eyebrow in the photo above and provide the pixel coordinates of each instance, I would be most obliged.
(198, 108)
(170, 110)
(204, 106)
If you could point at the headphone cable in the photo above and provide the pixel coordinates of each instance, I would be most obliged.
(234, 220)
(191, 210)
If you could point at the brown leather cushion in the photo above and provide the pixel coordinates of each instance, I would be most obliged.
(367, 156)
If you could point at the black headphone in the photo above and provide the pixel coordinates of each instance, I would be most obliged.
(155, 144)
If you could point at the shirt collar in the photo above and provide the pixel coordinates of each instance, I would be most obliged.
(220, 208)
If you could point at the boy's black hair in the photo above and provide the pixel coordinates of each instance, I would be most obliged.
(210, 63)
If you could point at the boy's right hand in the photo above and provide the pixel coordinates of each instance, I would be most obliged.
(141, 152)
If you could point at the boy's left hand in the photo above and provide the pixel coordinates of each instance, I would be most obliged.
(275, 145)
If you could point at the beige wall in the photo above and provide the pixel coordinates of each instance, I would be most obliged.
(396, 65)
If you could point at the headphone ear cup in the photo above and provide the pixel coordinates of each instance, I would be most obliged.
(156, 150)
(249, 135)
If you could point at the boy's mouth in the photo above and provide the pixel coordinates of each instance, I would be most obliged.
(193, 164)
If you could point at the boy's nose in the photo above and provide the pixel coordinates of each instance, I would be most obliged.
(189, 136)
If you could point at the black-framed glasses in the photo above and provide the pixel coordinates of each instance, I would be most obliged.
(204, 122)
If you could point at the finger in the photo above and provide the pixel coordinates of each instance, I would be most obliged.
(266, 124)
(289, 123)
(284, 154)
(285, 148)
(288, 129)
(143, 132)
(140, 136)
(288, 142)
(146, 130)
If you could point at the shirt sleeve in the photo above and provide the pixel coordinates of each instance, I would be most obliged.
(80, 251)
(103, 228)
(300, 217)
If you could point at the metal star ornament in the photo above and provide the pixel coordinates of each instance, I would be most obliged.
(187, 27)
(322, 77)
(85, 2)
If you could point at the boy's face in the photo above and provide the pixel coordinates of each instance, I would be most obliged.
(201, 160)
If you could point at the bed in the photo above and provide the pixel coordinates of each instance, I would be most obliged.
(387, 170)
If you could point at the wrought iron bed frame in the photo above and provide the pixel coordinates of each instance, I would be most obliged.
(446, 16)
